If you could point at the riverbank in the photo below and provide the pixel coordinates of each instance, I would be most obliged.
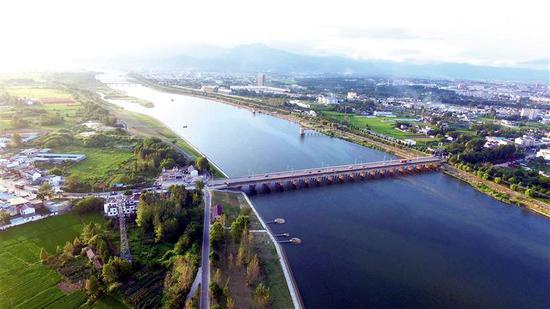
(231, 265)
(498, 192)
(290, 281)
(147, 126)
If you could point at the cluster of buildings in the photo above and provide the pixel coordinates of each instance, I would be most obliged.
(21, 167)
(179, 175)
(128, 205)
(524, 141)
(20, 179)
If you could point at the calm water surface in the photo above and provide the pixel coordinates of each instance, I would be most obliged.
(419, 241)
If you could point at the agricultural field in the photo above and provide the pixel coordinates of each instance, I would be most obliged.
(45, 115)
(24, 280)
(37, 92)
(381, 125)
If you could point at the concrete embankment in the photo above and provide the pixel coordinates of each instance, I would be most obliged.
(291, 283)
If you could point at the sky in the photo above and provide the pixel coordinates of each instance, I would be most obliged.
(40, 34)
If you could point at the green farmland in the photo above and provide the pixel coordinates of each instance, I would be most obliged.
(24, 281)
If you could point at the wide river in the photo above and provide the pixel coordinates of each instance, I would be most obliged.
(419, 241)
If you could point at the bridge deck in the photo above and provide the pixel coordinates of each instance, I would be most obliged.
(314, 172)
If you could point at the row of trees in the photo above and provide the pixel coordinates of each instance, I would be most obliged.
(245, 261)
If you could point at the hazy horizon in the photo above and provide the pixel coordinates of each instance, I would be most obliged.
(65, 34)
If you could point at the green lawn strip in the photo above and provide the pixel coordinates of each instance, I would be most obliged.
(381, 125)
(232, 204)
(278, 288)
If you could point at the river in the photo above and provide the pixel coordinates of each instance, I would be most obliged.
(421, 241)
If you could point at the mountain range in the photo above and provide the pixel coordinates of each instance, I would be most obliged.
(261, 58)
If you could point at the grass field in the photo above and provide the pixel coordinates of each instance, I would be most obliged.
(382, 125)
(24, 281)
(100, 164)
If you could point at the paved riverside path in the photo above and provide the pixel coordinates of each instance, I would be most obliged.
(205, 263)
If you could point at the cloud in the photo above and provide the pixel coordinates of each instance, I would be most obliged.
(380, 33)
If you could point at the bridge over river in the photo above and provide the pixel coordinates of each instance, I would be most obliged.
(296, 179)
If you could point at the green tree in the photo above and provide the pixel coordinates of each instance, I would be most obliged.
(5, 217)
(89, 231)
(199, 185)
(43, 255)
(103, 250)
(530, 192)
(45, 191)
(16, 140)
(89, 204)
(498, 180)
(116, 270)
(92, 288)
(261, 295)
(167, 163)
(253, 270)
(238, 226)
(77, 244)
(230, 303)
(216, 234)
(202, 164)
(68, 249)
(216, 291)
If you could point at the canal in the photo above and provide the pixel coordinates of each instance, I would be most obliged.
(420, 241)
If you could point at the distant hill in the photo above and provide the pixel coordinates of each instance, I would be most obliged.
(261, 58)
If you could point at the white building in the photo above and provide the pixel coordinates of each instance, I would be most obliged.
(352, 95)
(110, 208)
(525, 141)
(494, 141)
(192, 171)
(409, 142)
(545, 153)
(260, 79)
(383, 114)
(330, 99)
(530, 113)
(27, 210)
(210, 89)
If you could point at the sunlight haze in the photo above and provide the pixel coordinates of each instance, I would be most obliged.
(60, 34)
